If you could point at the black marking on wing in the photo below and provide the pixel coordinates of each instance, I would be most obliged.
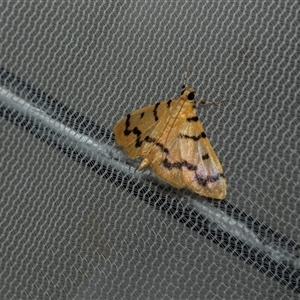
(150, 139)
(204, 180)
(127, 124)
(193, 119)
(169, 103)
(138, 133)
(160, 145)
(178, 165)
(155, 111)
(205, 156)
(193, 137)
(142, 115)
(135, 130)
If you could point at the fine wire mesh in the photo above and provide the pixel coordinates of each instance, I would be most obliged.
(77, 220)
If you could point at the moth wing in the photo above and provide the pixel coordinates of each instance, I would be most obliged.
(168, 151)
(132, 131)
(187, 159)
(208, 179)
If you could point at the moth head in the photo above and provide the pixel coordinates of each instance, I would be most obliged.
(188, 94)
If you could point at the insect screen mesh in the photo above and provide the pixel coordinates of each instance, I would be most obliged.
(77, 220)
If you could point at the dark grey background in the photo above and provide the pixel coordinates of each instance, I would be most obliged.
(66, 232)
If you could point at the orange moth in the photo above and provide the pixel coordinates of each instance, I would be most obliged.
(169, 136)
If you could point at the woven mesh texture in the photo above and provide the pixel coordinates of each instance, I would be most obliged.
(77, 220)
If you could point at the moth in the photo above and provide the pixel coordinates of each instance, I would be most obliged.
(169, 137)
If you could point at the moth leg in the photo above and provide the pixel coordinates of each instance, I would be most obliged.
(144, 163)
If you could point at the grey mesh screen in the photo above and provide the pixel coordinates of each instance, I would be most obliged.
(78, 221)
